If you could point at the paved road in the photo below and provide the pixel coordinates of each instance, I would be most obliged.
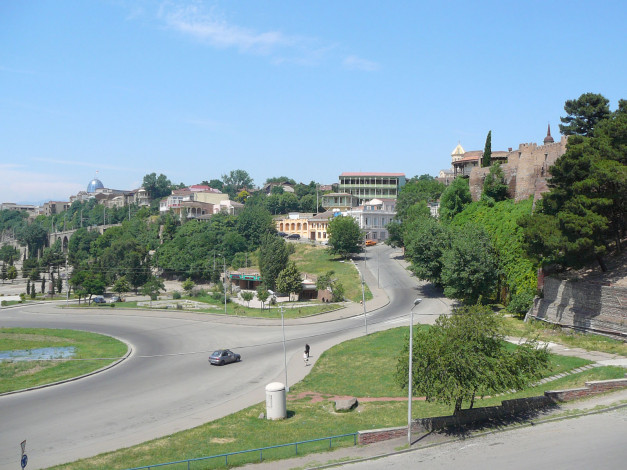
(591, 441)
(166, 384)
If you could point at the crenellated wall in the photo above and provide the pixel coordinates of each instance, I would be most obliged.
(526, 171)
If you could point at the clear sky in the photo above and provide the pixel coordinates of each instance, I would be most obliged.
(304, 89)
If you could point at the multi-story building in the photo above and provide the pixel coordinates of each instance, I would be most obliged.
(294, 223)
(55, 207)
(199, 202)
(368, 185)
(374, 216)
(339, 201)
(32, 211)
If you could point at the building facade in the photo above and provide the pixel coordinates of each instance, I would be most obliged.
(368, 185)
(374, 216)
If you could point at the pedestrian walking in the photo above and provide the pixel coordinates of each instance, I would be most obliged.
(306, 359)
(307, 350)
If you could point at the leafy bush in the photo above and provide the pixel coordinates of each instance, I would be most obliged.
(176, 295)
(521, 303)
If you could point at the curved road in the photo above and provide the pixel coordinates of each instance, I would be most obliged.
(167, 385)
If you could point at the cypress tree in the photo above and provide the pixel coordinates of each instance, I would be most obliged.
(487, 151)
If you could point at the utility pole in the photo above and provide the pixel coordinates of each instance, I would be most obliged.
(363, 302)
(224, 260)
(287, 388)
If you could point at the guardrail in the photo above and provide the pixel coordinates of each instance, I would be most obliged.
(260, 450)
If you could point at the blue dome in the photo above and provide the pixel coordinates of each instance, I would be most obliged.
(93, 185)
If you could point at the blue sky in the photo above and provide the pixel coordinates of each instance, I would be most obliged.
(305, 89)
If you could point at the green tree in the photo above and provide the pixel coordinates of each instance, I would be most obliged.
(8, 252)
(33, 236)
(93, 284)
(188, 286)
(330, 282)
(254, 222)
(242, 196)
(273, 258)
(280, 179)
(12, 273)
(262, 295)
(157, 186)
(247, 296)
(395, 234)
(422, 189)
(463, 356)
(121, 285)
(426, 240)
(583, 114)
(455, 198)
(235, 181)
(345, 236)
(4, 273)
(289, 280)
(79, 247)
(307, 203)
(494, 186)
(469, 267)
(486, 158)
(588, 188)
(152, 287)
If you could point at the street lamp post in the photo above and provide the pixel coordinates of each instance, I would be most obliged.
(363, 302)
(224, 261)
(287, 388)
(411, 357)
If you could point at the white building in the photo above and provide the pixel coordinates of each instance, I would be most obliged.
(373, 217)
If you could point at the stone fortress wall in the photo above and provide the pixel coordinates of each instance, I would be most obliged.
(582, 305)
(526, 171)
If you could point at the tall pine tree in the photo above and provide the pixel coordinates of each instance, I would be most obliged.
(487, 151)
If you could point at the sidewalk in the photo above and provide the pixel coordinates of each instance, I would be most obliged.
(347, 455)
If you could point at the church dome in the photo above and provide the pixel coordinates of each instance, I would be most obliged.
(93, 185)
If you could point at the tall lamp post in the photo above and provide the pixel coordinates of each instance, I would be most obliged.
(287, 388)
(224, 261)
(363, 302)
(411, 360)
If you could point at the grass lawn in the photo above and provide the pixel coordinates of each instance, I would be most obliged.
(547, 332)
(92, 351)
(362, 368)
(318, 260)
(290, 310)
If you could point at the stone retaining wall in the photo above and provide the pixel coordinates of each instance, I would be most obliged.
(591, 388)
(507, 409)
(583, 305)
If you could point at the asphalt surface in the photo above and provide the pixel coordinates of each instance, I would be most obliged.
(166, 384)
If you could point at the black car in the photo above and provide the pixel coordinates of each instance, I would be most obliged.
(224, 356)
(294, 236)
(282, 234)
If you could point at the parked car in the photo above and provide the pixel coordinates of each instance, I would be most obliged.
(99, 299)
(114, 299)
(282, 234)
(294, 236)
(224, 356)
(371, 242)
(324, 242)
